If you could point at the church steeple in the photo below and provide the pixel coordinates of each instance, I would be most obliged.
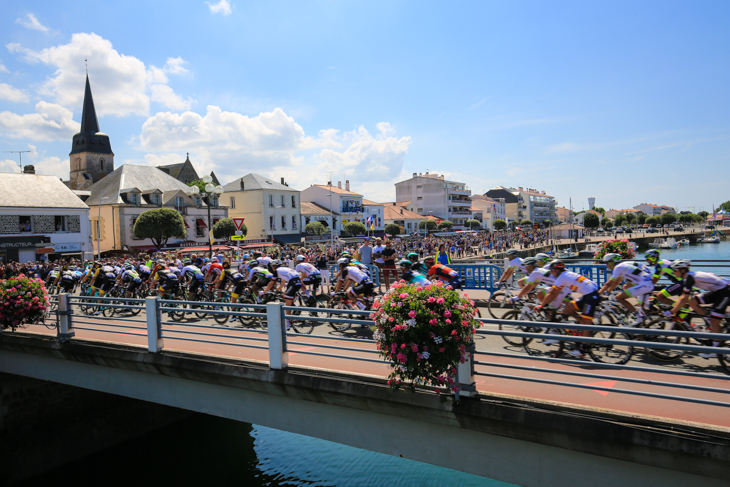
(91, 152)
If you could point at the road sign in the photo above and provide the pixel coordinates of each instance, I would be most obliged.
(238, 222)
(239, 232)
(237, 237)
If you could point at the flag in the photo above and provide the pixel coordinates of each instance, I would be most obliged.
(372, 227)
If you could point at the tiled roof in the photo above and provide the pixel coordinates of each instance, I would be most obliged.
(394, 213)
(371, 203)
(145, 178)
(36, 191)
(254, 182)
(310, 208)
(337, 190)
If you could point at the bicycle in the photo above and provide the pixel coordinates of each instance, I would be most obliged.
(341, 300)
(303, 300)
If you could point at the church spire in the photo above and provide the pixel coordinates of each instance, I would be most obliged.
(89, 123)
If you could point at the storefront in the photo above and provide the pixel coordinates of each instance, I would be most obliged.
(22, 249)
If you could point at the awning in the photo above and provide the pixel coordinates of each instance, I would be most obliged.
(201, 223)
(289, 239)
(253, 246)
(186, 224)
(187, 250)
(45, 250)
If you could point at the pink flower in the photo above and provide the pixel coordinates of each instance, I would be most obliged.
(431, 299)
(391, 319)
(442, 349)
(448, 322)
(453, 332)
(403, 346)
(403, 295)
(414, 348)
(412, 313)
(440, 301)
(447, 313)
(419, 288)
(433, 321)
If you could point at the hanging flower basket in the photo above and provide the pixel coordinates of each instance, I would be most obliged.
(620, 246)
(23, 300)
(425, 332)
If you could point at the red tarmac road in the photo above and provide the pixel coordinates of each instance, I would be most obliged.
(601, 393)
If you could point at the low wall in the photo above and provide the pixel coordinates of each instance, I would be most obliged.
(518, 441)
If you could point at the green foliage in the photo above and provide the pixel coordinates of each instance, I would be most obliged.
(392, 229)
(668, 218)
(607, 223)
(526, 223)
(652, 220)
(471, 223)
(630, 218)
(705, 214)
(590, 220)
(446, 225)
(599, 210)
(499, 224)
(200, 184)
(724, 206)
(430, 331)
(427, 224)
(315, 228)
(23, 300)
(159, 225)
(547, 223)
(620, 220)
(641, 218)
(620, 247)
(226, 228)
(355, 228)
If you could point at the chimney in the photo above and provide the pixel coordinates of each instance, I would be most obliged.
(394, 203)
(414, 174)
(241, 183)
(329, 183)
(401, 211)
(339, 184)
(29, 169)
(282, 180)
(347, 184)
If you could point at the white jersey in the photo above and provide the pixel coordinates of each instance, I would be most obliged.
(705, 281)
(575, 283)
(264, 261)
(631, 272)
(356, 274)
(286, 274)
(516, 263)
(307, 270)
(541, 275)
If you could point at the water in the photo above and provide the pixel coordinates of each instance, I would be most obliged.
(700, 252)
(205, 450)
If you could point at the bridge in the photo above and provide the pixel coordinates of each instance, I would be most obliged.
(523, 418)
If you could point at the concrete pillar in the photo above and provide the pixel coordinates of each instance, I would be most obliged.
(155, 342)
(278, 355)
(65, 329)
(465, 375)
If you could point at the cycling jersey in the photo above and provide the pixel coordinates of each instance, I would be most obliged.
(516, 263)
(661, 268)
(286, 274)
(631, 272)
(176, 271)
(193, 272)
(264, 261)
(356, 274)
(109, 271)
(260, 273)
(575, 282)
(131, 276)
(215, 269)
(231, 275)
(705, 281)
(541, 275)
(442, 272)
(307, 270)
(414, 277)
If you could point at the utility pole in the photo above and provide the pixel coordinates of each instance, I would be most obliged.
(20, 155)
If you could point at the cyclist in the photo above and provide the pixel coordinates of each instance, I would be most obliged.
(66, 280)
(53, 276)
(584, 308)
(539, 275)
(194, 275)
(662, 267)
(360, 281)
(130, 278)
(514, 264)
(214, 272)
(169, 283)
(445, 274)
(410, 275)
(420, 267)
(641, 284)
(103, 278)
(310, 274)
(260, 277)
(291, 279)
(231, 276)
(716, 292)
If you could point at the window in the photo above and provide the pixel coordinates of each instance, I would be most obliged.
(420, 210)
(233, 203)
(293, 222)
(25, 224)
(199, 229)
(419, 186)
(306, 220)
(271, 201)
(283, 221)
(282, 201)
(101, 163)
(179, 206)
(97, 229)
(293, 201)
(134, 220)
(419, 198)
(271, 223)
(60, 223)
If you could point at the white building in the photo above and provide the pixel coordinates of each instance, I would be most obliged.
(402, 216)
(654, 210)
(41, 218)
(492, 209)
(350, 205)
(526, 204)
(431, 194)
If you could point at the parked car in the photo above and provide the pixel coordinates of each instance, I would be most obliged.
(678, 228)
(652, 230)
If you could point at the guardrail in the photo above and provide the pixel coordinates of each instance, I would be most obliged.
(176, 320)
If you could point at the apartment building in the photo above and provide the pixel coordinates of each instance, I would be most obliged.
(432, 194)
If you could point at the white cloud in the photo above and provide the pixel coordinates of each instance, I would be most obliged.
(42, 163)
(49, 122)
(121, 84)
(3, 69)
(9, 165)
(31, 22)
(165, 95)
(385, 128)
(9, 93)
(222, 7)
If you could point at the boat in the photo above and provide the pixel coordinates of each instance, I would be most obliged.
(709, 240)
(684, 241)
(567, 254)
(589, 251)
(663, 243)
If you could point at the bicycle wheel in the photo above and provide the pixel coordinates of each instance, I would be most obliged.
(513, 340)
(200, 312)
(220, 306)
(610, 353)
(342, 325)
(664, 354)
(498, 301)
(246, 320)
(550, 346)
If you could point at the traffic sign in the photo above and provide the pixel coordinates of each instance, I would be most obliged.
(237, 237)
(239, 232)
(238, 222)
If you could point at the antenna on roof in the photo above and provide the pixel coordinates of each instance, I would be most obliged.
(20, 155)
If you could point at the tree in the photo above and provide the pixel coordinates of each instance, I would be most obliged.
(472, 224)
(724, 206)
(355, 228)
(606, 223)
(427, 224)
(599, 210)
(526, 223)
(641, 218)
(499, 224)
(315, 228)
(159, 225)
(705, 214)
(620, 220)
(200, 184)
(590, 220)
(226, 228)
(668, 218)
(392, 229)
(446, 225)
(652, 220)
(547, 223)
(630, 218)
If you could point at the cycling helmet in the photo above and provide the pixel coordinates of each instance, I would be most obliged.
(651, 254)
(512, 252)
(256, 255)
(300, 258)
(346, 254)
(187, 262)
(680, 264)
(405, 263)
(556, 265)
(253, 263)
(343, 261)
(57, 268)
(128, 267)
(226, 264)
(611, 257)
(542, 257)
(429, 261)
(275, 263)
(161, 261)
(206, 260)
(530, 261)
(413, 257)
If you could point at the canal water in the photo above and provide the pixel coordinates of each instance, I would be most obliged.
(699, 252)
(209, 451)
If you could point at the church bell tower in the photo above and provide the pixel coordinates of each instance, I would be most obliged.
(91, 153)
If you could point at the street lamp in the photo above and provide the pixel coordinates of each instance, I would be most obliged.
(98, 224)
(211, 193)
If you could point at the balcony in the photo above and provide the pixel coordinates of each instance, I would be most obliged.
(456, 190)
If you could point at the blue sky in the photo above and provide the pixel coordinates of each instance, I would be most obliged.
(624, 101)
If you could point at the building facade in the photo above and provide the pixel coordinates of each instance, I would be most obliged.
(41, 219)
(431, 194)
(654, 210)
(492, 209)
(401, 216)
(350, 205)
(526, 204)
